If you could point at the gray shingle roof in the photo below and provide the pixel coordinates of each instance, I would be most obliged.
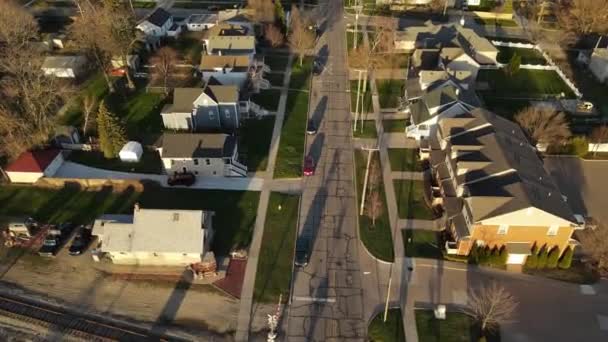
(159, 17)
(197, 145)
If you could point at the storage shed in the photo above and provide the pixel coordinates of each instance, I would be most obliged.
(131, 152)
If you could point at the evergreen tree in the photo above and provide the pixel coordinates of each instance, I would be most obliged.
(112, 136)
(502, 256)
(495, 256)
(279, 14)
(566, 261)
(543, 255)
(553, 257)
(474, 255)
(532, 260)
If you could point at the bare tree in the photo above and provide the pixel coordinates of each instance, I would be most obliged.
(273, 35)
(543, 125)
(301, 38)
(120, 24)
(164, 61)
(374, 206)
(262, 11)
(88, 106)
(490, 306)
(595, 245)
(584, 16)
(599, 135)
(17, 27)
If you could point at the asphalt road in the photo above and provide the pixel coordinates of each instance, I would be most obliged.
(327, 296)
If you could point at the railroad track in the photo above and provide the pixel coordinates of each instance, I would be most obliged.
(68, 323)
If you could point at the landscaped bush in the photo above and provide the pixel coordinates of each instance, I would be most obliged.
(553, 257)
(532, 260)
(486, 256)
(543, 255)
(566, 261)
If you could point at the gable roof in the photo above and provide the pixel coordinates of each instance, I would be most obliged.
(440, 95)
(210, 62)
(232, 43)
(197, 145)
(183, 100)
(159, 17)
(222, 93)
(33, 161)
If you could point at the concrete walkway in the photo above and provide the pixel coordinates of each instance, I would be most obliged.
(407, 175)
(245, 313)
(434, 225)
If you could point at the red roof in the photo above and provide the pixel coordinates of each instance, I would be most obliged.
(33, 161)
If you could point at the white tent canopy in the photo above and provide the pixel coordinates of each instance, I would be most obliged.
(131, 152)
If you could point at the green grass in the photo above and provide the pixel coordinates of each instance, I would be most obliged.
(273, 275)
(496, 22)
(410, 200)
(389, 331)
(276, 63)
(394, 126)
(366, 104)
(528, 56)
(404, 159)
(291, 145)
(420, 243)
(377, 239)
(150, 162)
(389, 92)
(350, 39)
(525, 83)
(455, 328)
(300, 74)
(234, 218)
(506, 108)
(276, 79)
(256, 135)
(267, 98)
(366, 129)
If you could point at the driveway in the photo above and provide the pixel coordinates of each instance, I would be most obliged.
(583, 182)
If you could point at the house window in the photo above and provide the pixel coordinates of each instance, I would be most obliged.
(207, 161)
(195, 161)
(503, 229)
(553, 229)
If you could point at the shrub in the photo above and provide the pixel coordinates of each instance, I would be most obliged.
(494, 257)
(553, 257)
(474, 255)
(579, 146)
(532, 260)
(503, 255)
(566, 261)
(543, 255)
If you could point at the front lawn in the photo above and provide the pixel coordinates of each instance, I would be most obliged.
(420, 243)
(291, 145)
(149, 163)
(273, 276)
(390, 92)
(404, 159)
(528, 56)
(377, 239)
(455, 328)
(255, 136)
(300, 74)
(234, 218)
(526, 83)
(275, 78)
(394, 126)
(366, 129)
(366, 104)
(389, 331)
(410, 200)
(350, 35)
(267, 99)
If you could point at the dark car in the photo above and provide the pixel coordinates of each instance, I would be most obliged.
(81, 241)
(317, 67)
(50, 246)
(311, 127)
(182, 178)
(309, 166)
(302, 252)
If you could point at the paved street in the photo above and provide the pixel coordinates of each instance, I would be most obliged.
(327, 297)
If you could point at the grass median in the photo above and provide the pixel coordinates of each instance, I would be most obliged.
(389, 331)
(410, 200)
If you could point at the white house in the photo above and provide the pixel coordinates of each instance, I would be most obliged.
(228, 70)
(160, 237)
(598, 64)
(156, 24)
(33, 165)
(201, 22)
(64, 66)
(208, 154)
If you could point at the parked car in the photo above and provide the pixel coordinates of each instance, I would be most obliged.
(317, 67)
(309, 166)
(81, 241)
(311, 128)
(182, 178)
(302, 252)
(50, 246)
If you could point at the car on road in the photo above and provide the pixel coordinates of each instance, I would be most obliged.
(81, 241)
(182, 178)
(302, 252)
(311, 127)
(309, 166)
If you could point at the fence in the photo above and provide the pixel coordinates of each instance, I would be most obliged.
(598, 147)
(77, 147)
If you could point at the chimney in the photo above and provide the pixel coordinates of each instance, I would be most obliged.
(136, 206)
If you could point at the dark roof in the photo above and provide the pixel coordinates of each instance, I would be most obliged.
(33, 161)
(159, 17)
(198, 145)
(213, 81)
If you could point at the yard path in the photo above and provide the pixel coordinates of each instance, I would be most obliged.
(245, 309)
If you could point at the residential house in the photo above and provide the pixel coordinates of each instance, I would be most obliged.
(211, 108)
(228, 70)
(201, 22)
(157, 24)
(598, 64)
(493, 188)
(450, 3)
(441, 99)
(159, 237)
(64, 66)
(209, 154)
(30, 166)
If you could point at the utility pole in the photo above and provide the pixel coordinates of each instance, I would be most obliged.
(388, 295)
(363, 98)
(369, 161)
(358, 10)
(358, 97)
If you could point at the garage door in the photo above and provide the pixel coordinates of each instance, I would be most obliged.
(517, 259)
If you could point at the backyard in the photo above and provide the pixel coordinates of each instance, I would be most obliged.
(390, 92)
(389, 331)
(255, 136)
(404, 159)
(525, 83)
(394, 126)
(376, 238)
(234, 210)
(267, 99)
(300, 74)
(275, 263)
(528, 56)
(410, 200)
(291, 145)
(276, 62)
(419, 243)
(149, 163)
